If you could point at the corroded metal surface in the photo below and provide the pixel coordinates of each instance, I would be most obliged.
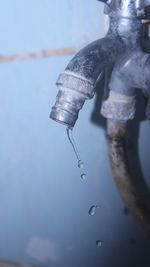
(123, 38)
(121, 173)
(118, 106)
(80, 77)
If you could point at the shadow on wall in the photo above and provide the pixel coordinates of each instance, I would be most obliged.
(133, 129)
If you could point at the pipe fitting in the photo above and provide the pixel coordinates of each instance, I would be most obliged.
(77, 83)
(83, 70)
(73, 92)
(118, 106)
(67, 106)
(131, 72)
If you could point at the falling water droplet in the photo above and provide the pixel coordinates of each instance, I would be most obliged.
(92, 210)
(83, 176)
(99, 243)
(71, 140)
(80, 164)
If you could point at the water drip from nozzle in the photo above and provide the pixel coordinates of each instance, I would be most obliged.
(71, 140)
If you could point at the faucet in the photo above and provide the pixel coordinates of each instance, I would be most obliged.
(126, 47)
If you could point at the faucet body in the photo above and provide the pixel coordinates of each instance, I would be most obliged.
(121, 47)
(77, 82)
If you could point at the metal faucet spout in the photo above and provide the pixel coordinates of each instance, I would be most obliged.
(77, 82)
(126, 47)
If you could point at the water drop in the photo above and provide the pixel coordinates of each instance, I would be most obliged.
(80, 164)
(92, 210)
(99, 243)
(83, 176)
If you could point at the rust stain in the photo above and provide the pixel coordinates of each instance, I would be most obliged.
(119, 164)
(39, 54)
(16, 264)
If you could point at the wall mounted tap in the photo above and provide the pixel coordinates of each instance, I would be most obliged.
(127, 47)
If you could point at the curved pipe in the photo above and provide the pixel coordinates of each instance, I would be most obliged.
(77, 83)
(117, 154)
(130, 72)
(92, 59)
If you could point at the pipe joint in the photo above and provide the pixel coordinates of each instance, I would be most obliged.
(67, 106)
(118, 107)
(76, 82)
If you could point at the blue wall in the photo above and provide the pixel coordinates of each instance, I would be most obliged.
(43, 202)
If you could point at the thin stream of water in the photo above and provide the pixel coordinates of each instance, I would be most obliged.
(71, 140)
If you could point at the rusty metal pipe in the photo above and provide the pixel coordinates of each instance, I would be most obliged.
(118, 159)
